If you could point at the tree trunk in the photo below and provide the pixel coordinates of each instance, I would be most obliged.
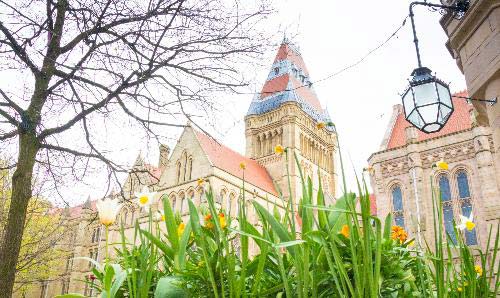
(21, 194)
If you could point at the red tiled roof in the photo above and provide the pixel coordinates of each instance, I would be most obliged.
(286, 52)
(275, 85)
(280, 83)
(460, 120)
(228, 160)
(153, 170)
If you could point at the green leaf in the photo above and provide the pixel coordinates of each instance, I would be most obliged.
(160, 244)
(170, 223)
(180, 258)
(288, 243)
(170, 287)
(277, 227)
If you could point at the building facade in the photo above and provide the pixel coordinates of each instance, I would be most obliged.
(403, 175)
(285, 113)
(474, 42)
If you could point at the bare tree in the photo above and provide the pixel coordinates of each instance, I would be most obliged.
(81, 62)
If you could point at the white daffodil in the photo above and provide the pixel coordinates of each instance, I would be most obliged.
(108, 210)
(466, 223)
(144, 199)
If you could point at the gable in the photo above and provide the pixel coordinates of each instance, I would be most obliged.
(187, 148)
(460, 120)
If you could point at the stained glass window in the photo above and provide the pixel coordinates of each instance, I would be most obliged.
(463, 185)
(397, 203)
(444, 189)
(466, 205)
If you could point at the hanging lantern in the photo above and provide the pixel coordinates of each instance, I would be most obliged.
(427, 101)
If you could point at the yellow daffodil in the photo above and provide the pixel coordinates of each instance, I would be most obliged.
(478, 270)
(208, 221)
(107, 210)
(180, 229)
(459, 289)
(398, 233)
(160, 216)
(144, 199)
(243, 165)
(320, 125)
(442, 165)
(279, 149)
(466, 223)
(345, 231)
(222, 220)
(200, 181)
(369, 169)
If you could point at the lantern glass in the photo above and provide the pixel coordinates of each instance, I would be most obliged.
(427, 101)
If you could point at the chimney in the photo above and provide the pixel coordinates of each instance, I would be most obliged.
(164, 153)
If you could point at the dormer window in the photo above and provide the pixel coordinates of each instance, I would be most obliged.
(302, 78)
(276, 70)
(294, 71)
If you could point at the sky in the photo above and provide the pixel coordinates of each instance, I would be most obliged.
(334, 34)
(331, 34)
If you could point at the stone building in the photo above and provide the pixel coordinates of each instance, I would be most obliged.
(284, 113)
(474, 42)
(402, 174)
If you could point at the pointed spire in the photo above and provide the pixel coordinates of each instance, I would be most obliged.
(288, 81)
(87, 204)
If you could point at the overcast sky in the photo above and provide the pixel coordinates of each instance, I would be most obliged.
(331, 34)
(334, 34)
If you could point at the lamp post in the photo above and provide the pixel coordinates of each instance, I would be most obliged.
(427, 100)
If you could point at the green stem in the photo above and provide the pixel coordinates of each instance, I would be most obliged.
(106, 228)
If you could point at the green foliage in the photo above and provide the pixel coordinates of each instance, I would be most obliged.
(339, 250)
(40, 256)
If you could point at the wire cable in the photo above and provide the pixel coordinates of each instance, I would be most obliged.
(359, 61)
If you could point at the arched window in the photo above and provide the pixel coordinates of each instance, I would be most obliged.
(445, 194)
(184, 166)
(220, 198)
(231, 201)
(173, 200)
(397, 205)
(190, 168)
(465, 204)
(125, 217)
(276, 70)
(178, 172)
(182, 198)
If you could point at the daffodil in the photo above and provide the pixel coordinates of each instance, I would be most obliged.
(243, 165)
(466, 223)
(108, 210)
(478, 270)
(200, 181)
(459, 289)
(369, 169)
(345, 231)
(279, 149)
(398, 233)
(320, 125)
(442, 165)
(144, 199)
(222, 220)
(208, 221)
(160, 215)
(180, 229)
